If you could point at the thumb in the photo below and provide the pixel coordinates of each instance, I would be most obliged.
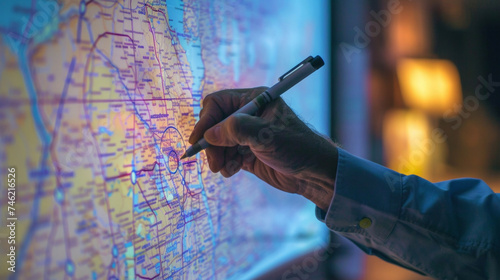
(237, 129)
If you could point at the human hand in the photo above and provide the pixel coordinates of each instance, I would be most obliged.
(275, 145)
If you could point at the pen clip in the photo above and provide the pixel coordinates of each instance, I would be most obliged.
(302, 63)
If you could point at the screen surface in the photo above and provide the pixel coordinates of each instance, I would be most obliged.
(98, 99)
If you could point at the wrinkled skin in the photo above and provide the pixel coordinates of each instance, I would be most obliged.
(275, 145)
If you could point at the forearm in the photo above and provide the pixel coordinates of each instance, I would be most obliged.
(444, 230)
(318, 181)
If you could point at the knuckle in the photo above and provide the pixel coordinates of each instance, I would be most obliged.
(211, 119)
(254, 92)
(217, 97)
(233, 123)
(208, 99)
(235, 127)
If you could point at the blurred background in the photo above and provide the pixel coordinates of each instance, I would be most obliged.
(415, 87)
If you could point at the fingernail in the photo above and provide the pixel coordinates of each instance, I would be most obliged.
(213, 134)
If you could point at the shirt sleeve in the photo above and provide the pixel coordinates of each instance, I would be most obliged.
(447, 230)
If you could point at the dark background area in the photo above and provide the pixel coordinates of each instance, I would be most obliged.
(366, 88)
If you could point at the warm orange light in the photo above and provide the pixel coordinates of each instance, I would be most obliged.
(406, 137)
(432, 85)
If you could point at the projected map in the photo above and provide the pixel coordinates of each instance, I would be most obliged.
(98, 99)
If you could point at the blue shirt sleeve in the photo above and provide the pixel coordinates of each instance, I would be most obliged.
(447, 230)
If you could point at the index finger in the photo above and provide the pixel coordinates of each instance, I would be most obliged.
(218, 106)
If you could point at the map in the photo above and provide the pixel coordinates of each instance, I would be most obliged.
(97, 101)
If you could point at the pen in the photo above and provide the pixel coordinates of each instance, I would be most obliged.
(285, 82)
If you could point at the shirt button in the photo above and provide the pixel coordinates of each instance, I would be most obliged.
(365, 223)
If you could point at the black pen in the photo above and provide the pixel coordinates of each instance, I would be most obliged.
(285, 82)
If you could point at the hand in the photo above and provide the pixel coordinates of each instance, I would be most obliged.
(275, 145)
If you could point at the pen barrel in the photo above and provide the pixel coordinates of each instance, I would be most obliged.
(275, 91)
(250, 108)
(291, 80)
(287, 81)
(203, 144)
(197, 147)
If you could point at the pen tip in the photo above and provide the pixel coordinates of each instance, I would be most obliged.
(184, 156)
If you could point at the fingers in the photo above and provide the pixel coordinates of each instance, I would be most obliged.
(215, 109)
(224, 155)
(233, 162)
(238, 129)
(215, 158)
(218, 105)
(227, 161)
(265, 173)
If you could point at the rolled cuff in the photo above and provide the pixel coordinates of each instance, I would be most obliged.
(366, 200)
